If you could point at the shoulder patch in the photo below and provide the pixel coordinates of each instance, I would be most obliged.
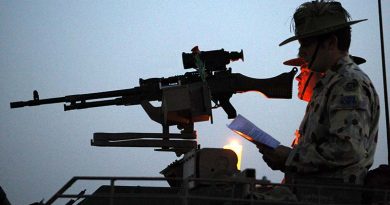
(349, 101)
(351, 85)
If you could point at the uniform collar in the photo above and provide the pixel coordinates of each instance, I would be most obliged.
(335, 70)
(346, 60)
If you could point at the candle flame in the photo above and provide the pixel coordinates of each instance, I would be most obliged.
(237, 148)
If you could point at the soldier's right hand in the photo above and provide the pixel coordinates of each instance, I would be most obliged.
(275, 158)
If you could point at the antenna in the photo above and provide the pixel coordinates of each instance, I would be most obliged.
(384, 80)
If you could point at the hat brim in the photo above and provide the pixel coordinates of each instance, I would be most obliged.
(295, 62)
(358, 60)
(300, 61)
(320, 32)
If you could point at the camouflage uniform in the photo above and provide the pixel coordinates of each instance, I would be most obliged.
(340, 128)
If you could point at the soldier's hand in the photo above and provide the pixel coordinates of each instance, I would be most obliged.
(275, 158)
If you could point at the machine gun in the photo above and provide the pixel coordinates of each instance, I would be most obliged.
(185, 99)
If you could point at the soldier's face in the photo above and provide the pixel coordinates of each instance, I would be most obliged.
(306, 85)
(307, 51)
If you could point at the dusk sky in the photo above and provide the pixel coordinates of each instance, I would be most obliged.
(72, 47)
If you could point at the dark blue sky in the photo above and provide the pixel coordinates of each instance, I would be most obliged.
(69, 47)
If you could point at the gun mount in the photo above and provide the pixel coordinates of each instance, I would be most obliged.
(185, 99)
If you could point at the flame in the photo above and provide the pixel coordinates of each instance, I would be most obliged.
(237, 148)
(296, 139)
(244, 135)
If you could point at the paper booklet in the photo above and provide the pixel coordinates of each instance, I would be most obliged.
(251, 132)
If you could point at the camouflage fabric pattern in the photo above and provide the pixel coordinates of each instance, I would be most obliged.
(340, 128)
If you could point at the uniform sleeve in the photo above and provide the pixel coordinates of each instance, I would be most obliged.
(347, 130)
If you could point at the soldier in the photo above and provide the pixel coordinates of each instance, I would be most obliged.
(306, 85)
(339, 131)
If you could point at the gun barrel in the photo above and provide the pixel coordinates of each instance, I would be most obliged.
(85, 105)
(79, 99)
(36, 102)
(100, 95)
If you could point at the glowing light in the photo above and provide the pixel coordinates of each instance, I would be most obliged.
(237, 148)
(296, 139)
(244, 135)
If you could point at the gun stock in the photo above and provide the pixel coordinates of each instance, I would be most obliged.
(224, 85)
(276, 87)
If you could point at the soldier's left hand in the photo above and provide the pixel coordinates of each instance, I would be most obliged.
(275, 158)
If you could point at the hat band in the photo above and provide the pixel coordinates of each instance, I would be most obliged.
(318, 23)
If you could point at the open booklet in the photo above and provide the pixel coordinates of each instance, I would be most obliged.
(251, 132)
